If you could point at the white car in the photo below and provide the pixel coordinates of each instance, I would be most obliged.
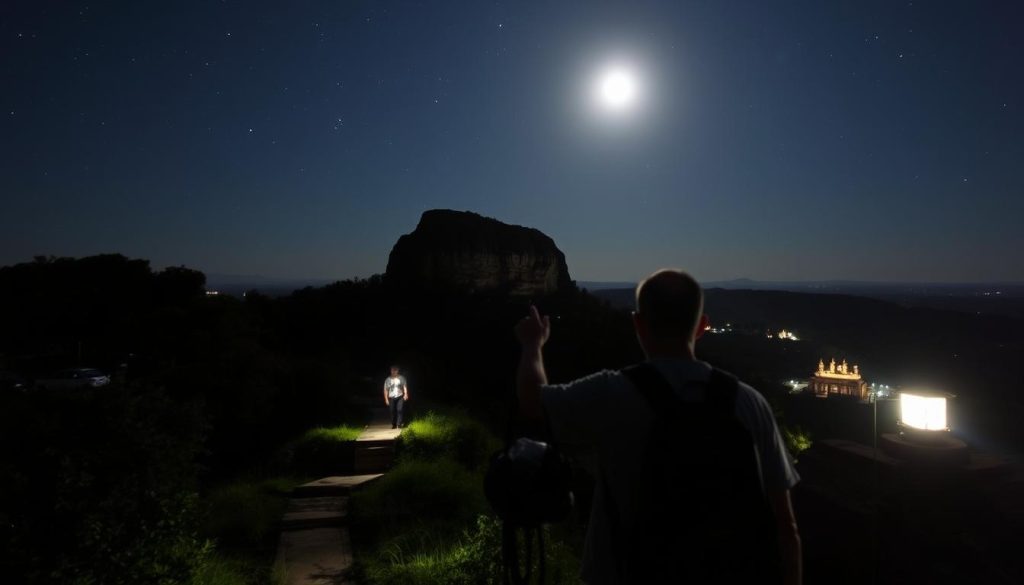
(74, 378)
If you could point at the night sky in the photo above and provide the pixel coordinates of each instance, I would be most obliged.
(770, 140)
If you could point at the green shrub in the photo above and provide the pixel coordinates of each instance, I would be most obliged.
(222, 571)
(227, 570)
(421, 556)
(440, 494)
(474, 558)
(98, 486)
(321, 451)
(338, 434)
(797, 439)
(246, 514)
(454, 435)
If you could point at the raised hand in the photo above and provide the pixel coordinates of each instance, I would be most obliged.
(533, 330)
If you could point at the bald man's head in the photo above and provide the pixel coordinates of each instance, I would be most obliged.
(670, 302)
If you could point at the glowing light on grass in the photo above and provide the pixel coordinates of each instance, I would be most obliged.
(923, 411)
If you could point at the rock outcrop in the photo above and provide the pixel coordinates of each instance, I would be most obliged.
(465, 252)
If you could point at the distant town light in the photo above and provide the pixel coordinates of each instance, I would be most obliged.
(784, 334)
(923, 411)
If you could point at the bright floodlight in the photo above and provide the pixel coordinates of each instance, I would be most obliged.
(922, 411)
(617, 88)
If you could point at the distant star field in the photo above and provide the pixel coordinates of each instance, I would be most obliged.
(777, 141)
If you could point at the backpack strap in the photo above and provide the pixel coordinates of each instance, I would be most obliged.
(655, 389)
(661, 398)
(720, 395)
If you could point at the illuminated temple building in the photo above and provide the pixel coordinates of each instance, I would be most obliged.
(841, 380)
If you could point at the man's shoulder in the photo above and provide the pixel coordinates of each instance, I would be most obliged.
(750, 394)
(598, 377)
(752, 408)
(744, 391)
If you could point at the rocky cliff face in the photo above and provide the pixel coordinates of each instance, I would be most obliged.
(466, 252)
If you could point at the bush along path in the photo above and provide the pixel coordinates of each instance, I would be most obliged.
(315, 547)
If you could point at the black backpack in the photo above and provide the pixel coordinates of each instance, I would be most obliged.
(702, 513)
(529, 484)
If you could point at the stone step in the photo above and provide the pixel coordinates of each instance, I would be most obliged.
(378, 456)
(315, 512)
(374, 443)
(375, 433)
(375, 459)
(310, 552)
(318, 556)
(333, 486)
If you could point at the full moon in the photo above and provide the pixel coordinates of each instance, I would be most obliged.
(617, 88)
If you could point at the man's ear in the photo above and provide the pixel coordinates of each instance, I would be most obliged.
(702, 325)
(638, 324)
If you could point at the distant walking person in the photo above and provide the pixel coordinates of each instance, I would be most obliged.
(692, 478)
(396, 393)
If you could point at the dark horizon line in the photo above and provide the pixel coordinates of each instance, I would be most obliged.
(234, 279)
(827, 282)
(239, 278)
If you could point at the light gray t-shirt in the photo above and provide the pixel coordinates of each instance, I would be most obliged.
(601, 420)
(395, 386)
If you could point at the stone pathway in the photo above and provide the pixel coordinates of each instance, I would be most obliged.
(315, 548)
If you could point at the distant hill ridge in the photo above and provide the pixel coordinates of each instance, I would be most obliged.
(995, 298)
(1007, 288)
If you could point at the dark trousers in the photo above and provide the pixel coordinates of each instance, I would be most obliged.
(396, 411)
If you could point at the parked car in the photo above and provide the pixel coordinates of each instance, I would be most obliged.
(73, 378)
(11, 381)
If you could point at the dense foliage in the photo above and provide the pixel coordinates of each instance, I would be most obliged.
(99, 486)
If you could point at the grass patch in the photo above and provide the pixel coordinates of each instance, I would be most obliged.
(229, 570)
(242, 518)
(452, 435)
(472, 558)
(320, 451)
(440, 494)
(245, 514)
(420, 556)
(340, 433)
